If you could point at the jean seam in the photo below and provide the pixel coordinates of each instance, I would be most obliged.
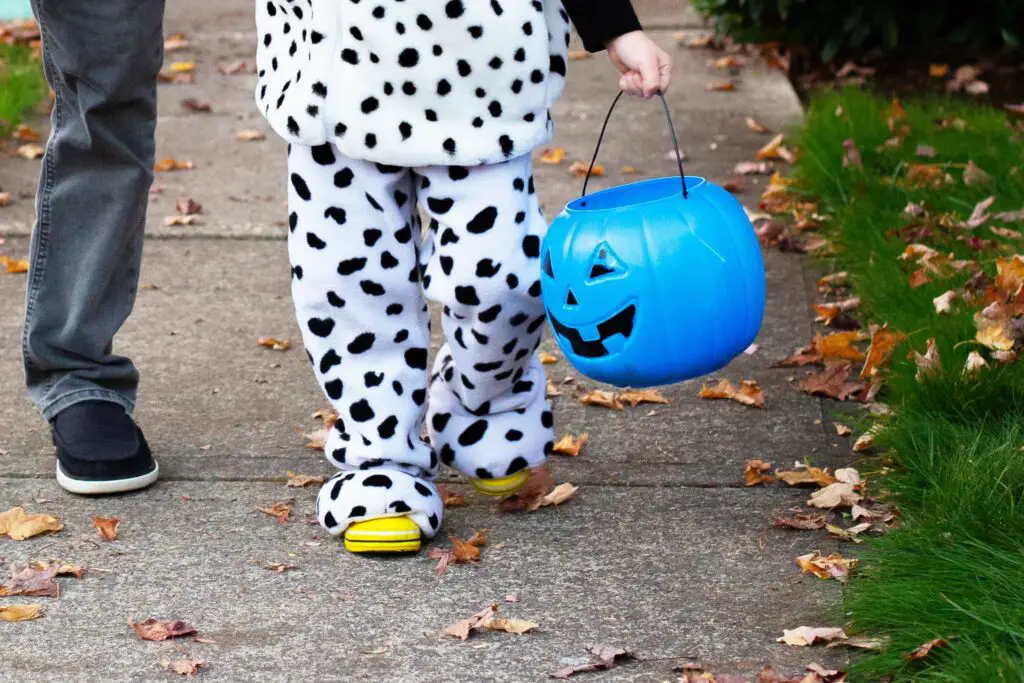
(43, 221)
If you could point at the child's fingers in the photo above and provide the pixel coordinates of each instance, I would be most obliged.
(665, 74)
(649, 71)
(631, 83)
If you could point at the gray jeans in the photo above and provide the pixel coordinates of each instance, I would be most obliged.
(101, 58)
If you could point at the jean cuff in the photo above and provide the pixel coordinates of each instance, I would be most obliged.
(51, 409)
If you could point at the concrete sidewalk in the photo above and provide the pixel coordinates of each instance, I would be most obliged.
(663, 552)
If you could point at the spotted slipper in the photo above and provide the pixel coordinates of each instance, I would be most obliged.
(380, 510)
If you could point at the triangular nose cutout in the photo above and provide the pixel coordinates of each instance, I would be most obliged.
(571, 299)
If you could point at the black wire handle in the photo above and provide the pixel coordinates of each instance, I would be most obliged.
(671, 129)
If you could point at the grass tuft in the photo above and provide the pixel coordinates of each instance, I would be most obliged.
(955, 568)
(22, 85)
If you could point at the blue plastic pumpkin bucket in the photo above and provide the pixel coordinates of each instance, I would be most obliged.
(654, 282)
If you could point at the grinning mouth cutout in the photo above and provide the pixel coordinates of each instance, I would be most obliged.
(619, 325)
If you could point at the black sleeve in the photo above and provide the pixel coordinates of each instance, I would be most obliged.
(599, 21)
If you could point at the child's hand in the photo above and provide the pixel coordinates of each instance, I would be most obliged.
(646, 69)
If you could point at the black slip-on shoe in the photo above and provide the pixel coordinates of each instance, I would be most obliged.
(101, 450)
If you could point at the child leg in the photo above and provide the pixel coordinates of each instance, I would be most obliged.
(488, 413)
(355, 284)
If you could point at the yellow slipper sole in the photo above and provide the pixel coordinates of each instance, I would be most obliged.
(503, 486)
(383, 535)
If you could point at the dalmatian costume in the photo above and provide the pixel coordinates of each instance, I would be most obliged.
(390, 105)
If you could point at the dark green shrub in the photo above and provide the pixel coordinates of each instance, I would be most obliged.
(834, 27)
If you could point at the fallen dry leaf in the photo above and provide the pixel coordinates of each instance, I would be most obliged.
(155, 630)
(462, 629)
(754, 126)
(1010, 276)
(197, 106)
(602, 657)
(239, 66)
(19, 526)
(833, 496)
(883, 343)
(187, 206)
(604, 399)
(635, 397)
(926, 151)
(721, 86)
(805, 355)
(551, 155)
(775, 150)
(973, 175)
(979, 215)
(798, 519)
(250, 135)
(451, 500)
(1007, 233)
(560, 494)
(180, 221)
(106, 527)
(806, 635)
(755, 472)
(928, 364)
(848, 475)
(298, 481)
(570, 445)
(852, 156)
(848, 534)
(317, 440)
(274, 343)
(30, 151)
(32, 582)
(753, 168)
(839, 345)
(579, 168)
(74, 570)
(185, 667)
(26, 133)
(529, 497)
(278, 567)
(630, 170)
(975, 362)
(576, 55)
(182, 67)
(20, 612)
(5, 200)
(832, 566)
(171, 164)
(809, 475)
(922, 651)
(552, 390)
(547, 358)
(832, 382)
(516, 626)
(281, 510)
(842, 430)
(176, 42)
(749, 392)
(938, 70)
(944, 302)
(14, 266)
(993, 333)
(866, 441)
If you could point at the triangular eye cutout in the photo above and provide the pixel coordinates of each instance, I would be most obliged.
(571, 299)
(547, 265)
(605, 262)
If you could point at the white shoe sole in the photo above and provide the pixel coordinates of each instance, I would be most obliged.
(85, 487)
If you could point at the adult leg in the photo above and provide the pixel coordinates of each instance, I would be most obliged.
(489, 416)
(355, 284)
(101, 59)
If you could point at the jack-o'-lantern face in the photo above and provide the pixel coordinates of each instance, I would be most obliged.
(604, 280)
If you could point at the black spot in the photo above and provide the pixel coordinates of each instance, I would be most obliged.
(531, 246)
(522, 387)
(419, 396)
(473, 433)
(343, 178)
(449, 146)
(440, 205)
(422, 490)
(448, 237)
(394, 309)
(490, 315)
(481, 339)
(386, 429)
(408, 58)
(483, 473)
(372, 288)
(362, 343)
(314, 241)
(464, 68)
(301, 188)
(447, 455)
(339, 129)
(329, 521)
(506, 145)
(457, 173)
(424, 22)
(487, 268)
(361, 411)
(447, 262)
(371, 235)
(397, 387)
(434, 521)
(357, 511)
(454, 9)
(387, 260)
(494, 108)
(297, 272)
(369, 105)
(349, 55)
(335, 300)
(483, 221)
(517, 86)
(337, 214)
(333, 389)
(495, 63)
(373, 202)
(323, 154)
(535, 325)
(372, 379)
(439, 421)
(401, 336)
(416, 358)
(466, 295)
(401, 198)
(293, 220)
(557, 65)
(518, 319)
(329, 360)
(370, 140)
(293, 125)
(547, 419)
(321, 327)
(404, 234)
(520, 217)
(352, 265)
(405, 130)
(487, 367)
(518, 463)
(430, 115)
(513, 435)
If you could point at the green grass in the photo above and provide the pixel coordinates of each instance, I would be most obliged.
(21, 85)
(955, 567)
